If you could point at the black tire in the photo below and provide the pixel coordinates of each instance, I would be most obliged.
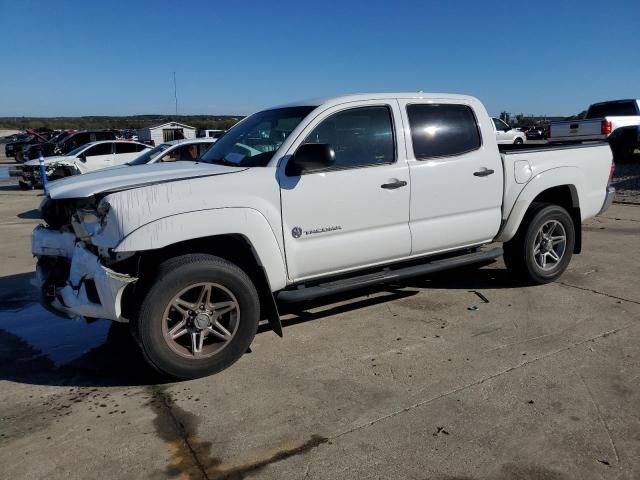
(518, 141)
(24, 185)
(175, 275)
(518, 252)
(19, 156)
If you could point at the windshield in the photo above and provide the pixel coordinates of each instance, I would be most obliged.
(149, 155)
(254, 141)
(75, 151)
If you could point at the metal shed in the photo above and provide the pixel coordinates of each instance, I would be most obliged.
(166, 132)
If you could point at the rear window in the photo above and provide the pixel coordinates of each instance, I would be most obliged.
(612, 109)
(442, 130)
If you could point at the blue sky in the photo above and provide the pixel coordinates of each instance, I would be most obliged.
(234, 57)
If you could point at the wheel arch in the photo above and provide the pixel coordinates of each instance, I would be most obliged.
(251, 245)
(235, 248)
(196, 228)
(559, 186)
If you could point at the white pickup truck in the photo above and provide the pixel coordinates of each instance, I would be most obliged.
(303, 201)
(617, 122)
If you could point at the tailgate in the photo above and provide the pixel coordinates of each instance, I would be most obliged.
(576, 130)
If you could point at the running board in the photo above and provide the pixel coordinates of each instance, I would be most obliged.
(330, 288)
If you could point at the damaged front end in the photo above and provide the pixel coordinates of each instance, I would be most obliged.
(32, 175)
(76, 277)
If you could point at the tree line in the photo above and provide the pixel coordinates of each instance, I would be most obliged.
(222, 122)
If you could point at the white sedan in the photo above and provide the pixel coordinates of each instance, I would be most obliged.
(507, 135)
(83, 159)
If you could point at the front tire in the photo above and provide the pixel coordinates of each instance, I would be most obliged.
(518, 141)
(542, 248)
(198, 318)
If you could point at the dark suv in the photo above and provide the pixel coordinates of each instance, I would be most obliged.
(14, 149)
(68, 143)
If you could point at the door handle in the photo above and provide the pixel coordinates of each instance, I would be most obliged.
(393, 185)
(484, 172)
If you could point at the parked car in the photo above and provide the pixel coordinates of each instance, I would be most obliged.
(185, 149)
(504, 134)
(83, 159)
(304, 201)
(616, 121)
(67, 143)
(14, 137)
(15, 149)
(536, 133)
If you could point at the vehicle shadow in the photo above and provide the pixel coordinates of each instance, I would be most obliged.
(469, 279)
(33, 214)
(466, 278)
(32, 342)
(111, 356)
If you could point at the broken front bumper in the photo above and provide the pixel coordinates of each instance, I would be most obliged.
(73, 281)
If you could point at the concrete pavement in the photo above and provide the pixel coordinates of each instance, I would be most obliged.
(398, 382)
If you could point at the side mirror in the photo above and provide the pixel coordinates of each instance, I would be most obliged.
(82, 157)
(309, 157)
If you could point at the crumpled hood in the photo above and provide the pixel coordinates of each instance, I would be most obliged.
(117, 179)
(48, 160)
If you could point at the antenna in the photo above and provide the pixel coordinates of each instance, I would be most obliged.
(175, 91)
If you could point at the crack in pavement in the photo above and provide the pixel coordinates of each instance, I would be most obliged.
(179, 464)
(599, 293)
(477, 382)
(602, 420)
(191, 457)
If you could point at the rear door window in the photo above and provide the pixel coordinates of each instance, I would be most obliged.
(442, 130)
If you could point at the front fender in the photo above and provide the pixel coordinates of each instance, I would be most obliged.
(247, 222)
(571, 176)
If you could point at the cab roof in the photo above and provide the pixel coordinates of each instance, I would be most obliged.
(356, 97)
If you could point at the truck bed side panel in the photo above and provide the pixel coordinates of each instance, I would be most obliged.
(528, 173)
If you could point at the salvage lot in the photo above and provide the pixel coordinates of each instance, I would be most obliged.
(403, 381)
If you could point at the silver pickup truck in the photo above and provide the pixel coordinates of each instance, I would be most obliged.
(617, 122)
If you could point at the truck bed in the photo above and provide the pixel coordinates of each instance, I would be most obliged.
(584, 165)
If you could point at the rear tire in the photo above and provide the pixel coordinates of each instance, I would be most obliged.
(518, 141)
(19, 156)
(177, 311)
(542, 248)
